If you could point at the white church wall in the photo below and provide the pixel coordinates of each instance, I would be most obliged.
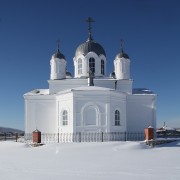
(125, 86)
(121, 85)
(118, 102)
(90, 111)
(65, 102)
(141, 112)
(104, 83)
(40, 114)
(122, 68)
(104, 104)
(60, 85)
(85, 64)
(58, 68)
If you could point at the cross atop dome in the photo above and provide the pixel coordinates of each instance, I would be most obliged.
(122, 54)
(58, 45)
(89, 21)
(58, 54)
(121, 45)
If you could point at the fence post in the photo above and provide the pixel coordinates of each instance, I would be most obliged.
(58, 137)
(5, 138)
(102, 137)
(125, 137)
(79, 136)
(16, 137)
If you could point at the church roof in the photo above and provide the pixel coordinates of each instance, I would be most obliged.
(142, 91)
(38, 92)
(90, 46)
(92, 88)
(86, 88)
(68, 74)
(59, 55)
(112, 75)
(122, 54)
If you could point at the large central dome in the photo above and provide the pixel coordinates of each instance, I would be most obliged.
(89, 56)
(89, 46)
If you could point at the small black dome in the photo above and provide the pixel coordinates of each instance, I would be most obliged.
(59, 55)
(90, 46)
(122, 54)
(112, 75)
(68, 74)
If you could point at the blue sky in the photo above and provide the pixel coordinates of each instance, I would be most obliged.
(29, 31)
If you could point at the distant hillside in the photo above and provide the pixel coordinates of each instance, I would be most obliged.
(5, 130)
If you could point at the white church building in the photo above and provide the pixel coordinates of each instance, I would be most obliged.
(89, 101)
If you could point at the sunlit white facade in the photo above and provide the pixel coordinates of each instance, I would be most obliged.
(71, 104)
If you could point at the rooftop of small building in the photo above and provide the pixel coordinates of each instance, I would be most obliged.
(38, 92)
(142, 91)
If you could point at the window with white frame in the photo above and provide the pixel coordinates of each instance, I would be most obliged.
(102, 66)
(117, 118)
(79, 66)
(92, 64)
(65, 118)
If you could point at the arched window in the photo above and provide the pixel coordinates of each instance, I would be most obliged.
(90, 116)
(79, 66)
(65, 118)
(92, 64)
(117, 118)
(102, 66)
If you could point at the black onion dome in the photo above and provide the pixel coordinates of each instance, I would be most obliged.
(59, 55)
(112, 75)
(90, 46)
(68, 73)
(122, 55)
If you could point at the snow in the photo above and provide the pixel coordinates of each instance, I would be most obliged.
(168, 128)
(89, 161)
(38, 92)
(92, 88)
(86, 88)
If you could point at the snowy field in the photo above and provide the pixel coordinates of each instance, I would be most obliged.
(90, 161)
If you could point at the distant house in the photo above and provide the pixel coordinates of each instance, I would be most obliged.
(167, 132)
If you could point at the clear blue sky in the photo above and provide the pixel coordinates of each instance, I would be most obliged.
(29, 30)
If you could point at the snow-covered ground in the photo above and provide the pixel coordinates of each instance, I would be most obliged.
(90, 161)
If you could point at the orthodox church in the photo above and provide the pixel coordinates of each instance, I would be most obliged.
(89, 101)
